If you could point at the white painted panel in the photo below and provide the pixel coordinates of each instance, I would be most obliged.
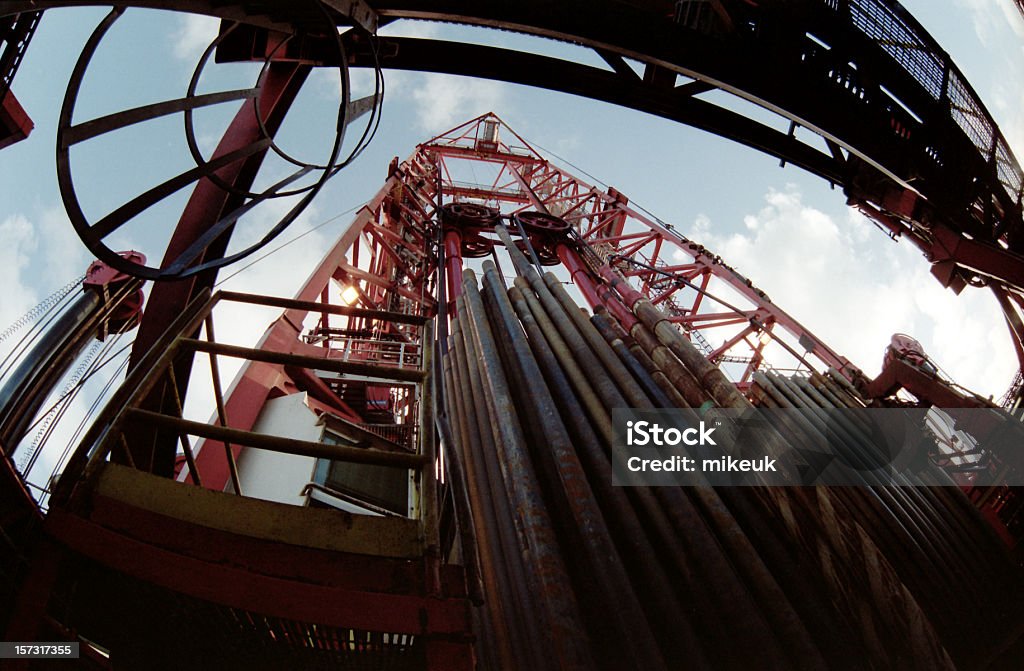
(273, 476)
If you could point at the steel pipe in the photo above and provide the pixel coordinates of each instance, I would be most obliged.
(505, 653)
(595, 405)
(616, 369)
(634, 642)
(665, 614)
(511, 575)
(612, 330)
(560, 612)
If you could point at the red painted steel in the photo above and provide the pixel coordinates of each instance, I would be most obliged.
(386, 256)
(241, 588)
(366, 257)
(709, 299)
(15, 124)
(279, 86)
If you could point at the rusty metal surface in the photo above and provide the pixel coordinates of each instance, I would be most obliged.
(305, 527)
(560, 610)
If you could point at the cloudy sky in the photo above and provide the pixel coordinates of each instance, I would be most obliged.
(787, 231)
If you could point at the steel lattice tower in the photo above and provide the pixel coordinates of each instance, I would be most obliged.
(413, 467)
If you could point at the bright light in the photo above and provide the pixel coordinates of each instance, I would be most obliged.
(349, 295)
(765, 338)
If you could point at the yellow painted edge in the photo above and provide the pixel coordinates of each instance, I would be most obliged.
(325, 529)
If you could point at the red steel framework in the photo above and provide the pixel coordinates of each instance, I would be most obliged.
(387, 260)
(403, 256)
(710, 301)
(388, 256)
(905, 135)
(723, 313)
(397, 266)
(438, 215)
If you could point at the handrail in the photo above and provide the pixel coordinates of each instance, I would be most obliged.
(328, 364)
(312, 306)
(109, 427)
(899, 34)
(306, 448)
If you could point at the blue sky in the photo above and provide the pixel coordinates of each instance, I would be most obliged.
(787, 231)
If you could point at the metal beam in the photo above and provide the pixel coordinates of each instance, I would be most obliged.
(316, 363)
(305, 448)
(240, 588)
(676, 104)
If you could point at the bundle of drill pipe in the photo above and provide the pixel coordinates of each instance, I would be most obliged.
(580, 574)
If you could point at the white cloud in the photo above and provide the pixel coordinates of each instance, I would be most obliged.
(442, 101)
(326, 83)
(853, 288)
(412, 28)
(999, 27)
(19, 243)
(63, 249)
(193, 34)
(993, 16)
(1008, 101)
(39, 254)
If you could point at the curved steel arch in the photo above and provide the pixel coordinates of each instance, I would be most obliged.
(902, 130)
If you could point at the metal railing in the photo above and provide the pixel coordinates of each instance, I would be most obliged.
(112, 432)
(486, 188)
(376, 351)
(15, 32)
(400, 434)
(892, 28)
(1012, 394)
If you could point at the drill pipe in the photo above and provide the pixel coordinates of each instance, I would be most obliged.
(611, 329)
(511, 572)
(605, 384)
(495, 651)
(708, 375)
(898, 528)
(643, 497)
(559, 611)
(773, 601)
(602, 384)
(932, 531)
(682, 379)
(858, 447)
(795, 635)
(674, 553)
(639, 372)
(512, 633)
(919, 638)
(672, 627)
(861, 580)
(628, 621)
(457, 479)
(585, 391)
(829, 389)
(804, 589)
(836, 540)
(753, 643)
(924, 498)
(615, 367)
(845, 389)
